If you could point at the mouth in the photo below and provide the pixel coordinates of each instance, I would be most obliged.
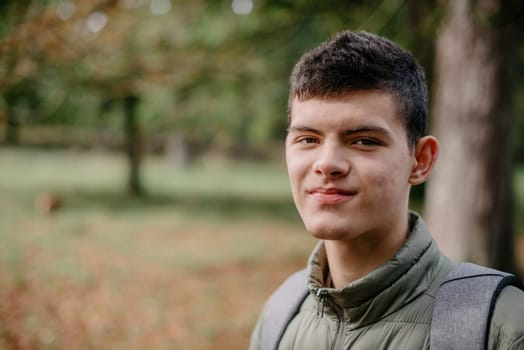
(331, 196)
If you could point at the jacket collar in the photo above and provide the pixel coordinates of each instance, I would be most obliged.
(389, 287)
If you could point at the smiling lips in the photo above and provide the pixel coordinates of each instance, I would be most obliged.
(331, 196)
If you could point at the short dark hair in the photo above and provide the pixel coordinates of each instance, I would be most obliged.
(360, 61)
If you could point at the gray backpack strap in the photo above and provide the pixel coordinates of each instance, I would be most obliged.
(281, 308)
(464, 306)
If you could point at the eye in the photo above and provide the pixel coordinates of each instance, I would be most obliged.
(307, 140)
(366, 142)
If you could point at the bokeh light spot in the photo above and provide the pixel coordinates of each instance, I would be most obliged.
(65, 10)
(160, 7)
(96, 21)
(242, 7)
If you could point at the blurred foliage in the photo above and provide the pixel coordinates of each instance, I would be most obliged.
(200, 72)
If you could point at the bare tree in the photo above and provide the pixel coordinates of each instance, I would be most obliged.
(469, 198)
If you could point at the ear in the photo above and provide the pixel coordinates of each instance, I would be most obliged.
(425, 156)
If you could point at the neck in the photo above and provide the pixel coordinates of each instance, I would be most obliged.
(350, 260)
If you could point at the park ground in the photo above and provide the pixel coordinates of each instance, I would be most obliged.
(188, 266)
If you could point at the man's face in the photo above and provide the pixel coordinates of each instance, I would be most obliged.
(349, 165)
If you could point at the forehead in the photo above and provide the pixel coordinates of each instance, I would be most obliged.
(375, 107)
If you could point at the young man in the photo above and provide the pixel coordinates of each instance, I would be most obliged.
(356, 144)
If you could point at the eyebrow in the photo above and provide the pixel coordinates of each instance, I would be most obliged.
(303, 129)
(366, 128)
(347, 132)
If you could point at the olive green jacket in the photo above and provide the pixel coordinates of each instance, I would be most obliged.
(391, 307)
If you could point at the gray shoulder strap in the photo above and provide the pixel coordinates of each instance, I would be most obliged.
(281, 307)
(464, 306)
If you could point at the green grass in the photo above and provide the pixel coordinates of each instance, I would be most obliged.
(90, 181)
(91, 188)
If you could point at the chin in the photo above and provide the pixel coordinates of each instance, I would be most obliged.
(328, 232)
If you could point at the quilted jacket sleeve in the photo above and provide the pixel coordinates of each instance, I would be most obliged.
(507, 324)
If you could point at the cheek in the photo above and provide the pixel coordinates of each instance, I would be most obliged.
(298, 170)
(380, 183)
(293, 172)
(297, 166)
(387, 180)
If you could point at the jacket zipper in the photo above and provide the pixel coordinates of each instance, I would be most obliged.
(322, 295)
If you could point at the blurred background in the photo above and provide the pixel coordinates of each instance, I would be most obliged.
(144, 201)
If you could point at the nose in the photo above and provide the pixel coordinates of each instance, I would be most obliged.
(331, 162)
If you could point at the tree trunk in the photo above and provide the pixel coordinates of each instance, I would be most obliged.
(13, 126)
(133, 145)
(469, 197)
